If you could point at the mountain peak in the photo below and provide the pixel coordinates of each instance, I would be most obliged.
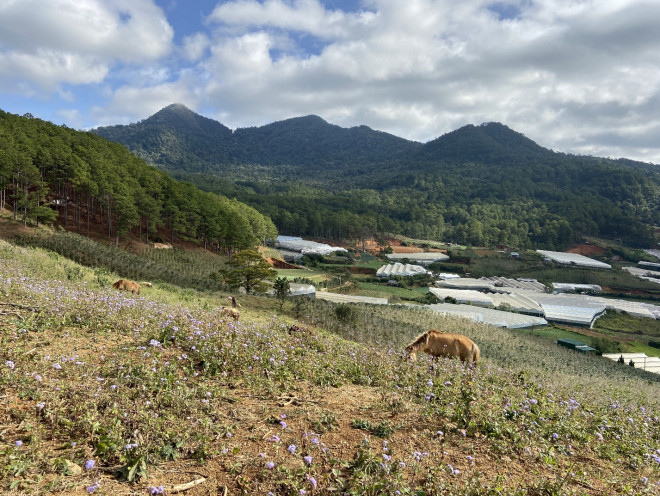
(490, 142)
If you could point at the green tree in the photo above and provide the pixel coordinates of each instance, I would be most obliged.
(248, 268)
(282, 290)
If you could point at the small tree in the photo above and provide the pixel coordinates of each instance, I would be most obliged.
(248, 268)
(282, 290)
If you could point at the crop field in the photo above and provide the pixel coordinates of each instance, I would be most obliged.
(106, 392)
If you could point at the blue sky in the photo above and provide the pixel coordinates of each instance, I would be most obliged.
(577, 76)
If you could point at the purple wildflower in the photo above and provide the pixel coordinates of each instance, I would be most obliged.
(270, 465)
(89, 464)
(292, 448)
(312, 481)
(307, 459)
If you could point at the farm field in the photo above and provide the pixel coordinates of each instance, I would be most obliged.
(120, 394)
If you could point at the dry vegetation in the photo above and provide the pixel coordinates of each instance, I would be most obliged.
(113, 393)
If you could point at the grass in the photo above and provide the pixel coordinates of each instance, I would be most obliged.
(160, 389)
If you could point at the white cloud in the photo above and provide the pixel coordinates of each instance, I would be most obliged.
(195, 46)
(579, 76)
(49, 42)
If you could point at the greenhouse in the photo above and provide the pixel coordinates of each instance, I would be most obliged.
(399, 269)
(567, 287)
(294, 243)
(521, 283)
(463, 296)
(641, 361)
(426, 258)
(342, 298)
(466, 283)
(573, 259)
(488, 316)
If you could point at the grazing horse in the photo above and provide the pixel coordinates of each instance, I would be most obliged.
(230, 312)
(126, 285)
(443, 344)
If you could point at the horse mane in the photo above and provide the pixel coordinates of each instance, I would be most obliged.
(418, 340)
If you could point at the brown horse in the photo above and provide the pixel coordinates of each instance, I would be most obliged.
(126, 285)
(443, 344)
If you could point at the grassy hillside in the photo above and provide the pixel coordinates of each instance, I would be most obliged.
(112, 393)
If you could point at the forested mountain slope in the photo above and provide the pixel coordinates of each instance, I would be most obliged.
(479, 185)
(48, 170)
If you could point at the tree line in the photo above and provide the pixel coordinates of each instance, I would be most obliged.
(49, 172)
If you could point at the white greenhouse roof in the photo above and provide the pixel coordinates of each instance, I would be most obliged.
(424, 258)
(341, 298)
(399, 269)
(650, 364)
(650, 265)
(294, 243)
(505, 282)
(488, 316)
(445, 276)
(463, 296)
(466, 283)
(302, 289)
(646, 274)
(517, 302)
(568, 286)
(573, 259)
(655, 253)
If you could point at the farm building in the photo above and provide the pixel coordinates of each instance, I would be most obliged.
(342, 298)
(641, 361)
(299, 245)
(572, 344)
(646, 274)
(466, 283)
(463, 296)
(426, 258)
(302, 289)
(489, 316)
(521, 283)
(655, 253)
(297, 290)
(567, 287)
(573, 259)
(510, 301)
(399, 269)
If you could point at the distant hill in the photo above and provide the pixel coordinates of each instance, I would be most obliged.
(177, 138)
(484, 184)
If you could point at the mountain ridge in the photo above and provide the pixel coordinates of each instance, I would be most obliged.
(484, 184)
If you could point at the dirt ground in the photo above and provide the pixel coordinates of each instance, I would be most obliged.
(586, 249)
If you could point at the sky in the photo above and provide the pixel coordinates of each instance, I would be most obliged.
(576, 76)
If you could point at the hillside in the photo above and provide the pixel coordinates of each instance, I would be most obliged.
(102, 387)
(52, 174)
(478, 185)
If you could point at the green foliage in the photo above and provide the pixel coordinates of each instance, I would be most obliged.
(51, 172)
(382, 429)
(282, 289)
(249, 269)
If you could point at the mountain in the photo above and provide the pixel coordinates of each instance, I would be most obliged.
(492, 143)
(178, 139)
(477, 185)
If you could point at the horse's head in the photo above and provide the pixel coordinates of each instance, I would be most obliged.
(411, 351)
